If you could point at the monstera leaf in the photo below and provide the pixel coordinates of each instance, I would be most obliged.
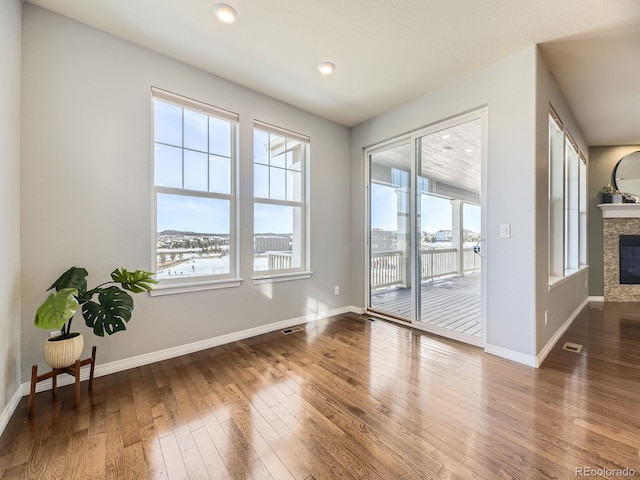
(136, 282)
(110, 313)
(75, 277)
(57, 309)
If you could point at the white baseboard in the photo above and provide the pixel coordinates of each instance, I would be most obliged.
(553, 340)
(536, 361)
(9, 409)
(596, 299)
(147, 358)
(512, 355)
(358, 310)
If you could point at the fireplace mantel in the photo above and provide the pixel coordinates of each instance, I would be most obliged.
(620, 210)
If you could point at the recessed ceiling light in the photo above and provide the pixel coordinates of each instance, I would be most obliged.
(326, 68)
(446, 136)
(446, 149)
(469, 150)
(225, 13)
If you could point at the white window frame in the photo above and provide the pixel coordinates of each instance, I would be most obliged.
(583, 210)
(203, 282)
(571, 206)
(303, 243)
(556, 197)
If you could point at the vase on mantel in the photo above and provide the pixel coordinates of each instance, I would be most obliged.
(616, 198)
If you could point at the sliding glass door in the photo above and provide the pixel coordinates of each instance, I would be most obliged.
(425, 229)
(449, 223)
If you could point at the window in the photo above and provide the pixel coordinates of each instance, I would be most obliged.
(582, 173)
(567, 203)
(280, 168)
(571, 204)
(556, 197)
(194, 176)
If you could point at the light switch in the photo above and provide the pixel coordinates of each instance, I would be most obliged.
(505, 230)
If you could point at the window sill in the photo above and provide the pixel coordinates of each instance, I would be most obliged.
(555, 281)
(197, 286)
(280, 277)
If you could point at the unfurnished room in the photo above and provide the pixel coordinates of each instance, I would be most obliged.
(276, 239)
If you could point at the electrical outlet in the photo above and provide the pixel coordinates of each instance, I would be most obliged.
(336, 290)
(546, 317)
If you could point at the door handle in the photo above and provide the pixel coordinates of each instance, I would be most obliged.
(477, 248)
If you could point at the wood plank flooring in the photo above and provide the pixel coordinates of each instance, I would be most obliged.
(453, 303)
(348, 398)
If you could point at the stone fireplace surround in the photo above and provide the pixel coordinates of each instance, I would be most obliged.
(618, 219)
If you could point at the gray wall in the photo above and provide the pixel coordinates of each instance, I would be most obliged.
(86, 156)
(602, 161)
(508, 88)
(10, 40)
(562, 299)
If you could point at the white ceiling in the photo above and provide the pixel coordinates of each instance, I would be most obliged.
(388, 52)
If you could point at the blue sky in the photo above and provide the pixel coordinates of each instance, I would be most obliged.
(207, 168)
(206, 215)
(436, 211)
(204, 165)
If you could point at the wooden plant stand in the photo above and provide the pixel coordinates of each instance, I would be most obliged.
(73, 370)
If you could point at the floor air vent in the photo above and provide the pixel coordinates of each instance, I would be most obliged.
(572, 347)
(595, 307)
(288, 331)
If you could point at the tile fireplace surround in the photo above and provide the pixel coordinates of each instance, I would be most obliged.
(618, 219)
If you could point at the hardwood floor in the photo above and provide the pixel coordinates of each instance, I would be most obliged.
(348, 399)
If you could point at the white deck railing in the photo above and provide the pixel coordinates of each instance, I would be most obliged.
(279, 260)
(390, 268)
(387, 268)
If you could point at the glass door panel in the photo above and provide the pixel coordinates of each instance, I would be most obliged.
(448, 279)
(390, 232)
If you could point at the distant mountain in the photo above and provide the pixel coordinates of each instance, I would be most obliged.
(180, 233)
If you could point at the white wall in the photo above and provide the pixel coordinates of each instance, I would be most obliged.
(10, 40)
(508, 89)
(86, 188)
(562, 300)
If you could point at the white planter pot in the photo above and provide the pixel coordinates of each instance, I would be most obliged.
(62, 353)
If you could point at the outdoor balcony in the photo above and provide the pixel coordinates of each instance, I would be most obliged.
(449, 296)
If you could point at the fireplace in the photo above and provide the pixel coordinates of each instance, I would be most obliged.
(629, 247)
(621, 252)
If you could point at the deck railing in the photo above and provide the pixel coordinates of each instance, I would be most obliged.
(279, 260)
(387, 268)
(390, 268)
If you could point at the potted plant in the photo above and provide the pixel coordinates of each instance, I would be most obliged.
(105, 308)
(611, 194)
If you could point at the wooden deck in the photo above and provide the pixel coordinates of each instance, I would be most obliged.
(451, 302)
